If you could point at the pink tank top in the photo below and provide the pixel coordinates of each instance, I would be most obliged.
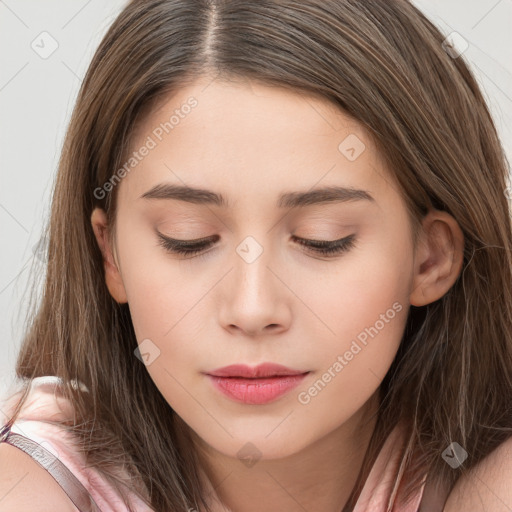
(54, 449)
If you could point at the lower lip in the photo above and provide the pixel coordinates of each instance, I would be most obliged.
(256, 391)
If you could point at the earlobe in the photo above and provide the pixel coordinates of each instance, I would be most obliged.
(113, 277)
(439, 256)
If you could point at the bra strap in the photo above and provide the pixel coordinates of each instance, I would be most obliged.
(76, 492)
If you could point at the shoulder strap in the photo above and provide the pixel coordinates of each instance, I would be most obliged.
(61, 473)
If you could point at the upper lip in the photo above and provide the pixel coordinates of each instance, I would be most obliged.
(262, 370)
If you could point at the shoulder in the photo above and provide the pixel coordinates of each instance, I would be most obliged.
(487, 486)
(44, 401)
(26, 486)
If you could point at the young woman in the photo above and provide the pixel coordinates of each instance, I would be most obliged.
(279, 273)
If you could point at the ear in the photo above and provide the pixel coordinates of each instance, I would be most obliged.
(113, 277)
(438, 257)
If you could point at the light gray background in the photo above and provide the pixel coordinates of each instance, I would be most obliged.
(37, 96)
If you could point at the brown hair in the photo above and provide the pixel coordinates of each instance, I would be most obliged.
(381, 62)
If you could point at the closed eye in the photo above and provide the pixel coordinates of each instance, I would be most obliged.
(192, 247)
(328, 247)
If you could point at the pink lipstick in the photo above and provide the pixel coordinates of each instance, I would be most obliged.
(255, 385)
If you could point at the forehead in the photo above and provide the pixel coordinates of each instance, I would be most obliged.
(242, 138)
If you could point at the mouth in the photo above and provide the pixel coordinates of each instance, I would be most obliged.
(257, 386)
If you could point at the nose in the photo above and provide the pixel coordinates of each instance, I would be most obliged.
(255, 299)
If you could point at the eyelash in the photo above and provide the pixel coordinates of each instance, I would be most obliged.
(192, 247)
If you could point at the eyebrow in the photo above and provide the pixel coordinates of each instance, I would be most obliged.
(297, 199)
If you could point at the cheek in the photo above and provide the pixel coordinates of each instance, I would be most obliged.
(354, 292)
(363, 311)
(164, 309)
(160, 290)
(366, 321)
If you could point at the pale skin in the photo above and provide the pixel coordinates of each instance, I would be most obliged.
(290, 305)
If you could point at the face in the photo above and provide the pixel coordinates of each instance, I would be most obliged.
(259, 290)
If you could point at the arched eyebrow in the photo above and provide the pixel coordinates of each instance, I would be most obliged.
(296, 199)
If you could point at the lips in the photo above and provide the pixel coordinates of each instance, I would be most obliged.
(260, 371)
(258, 385)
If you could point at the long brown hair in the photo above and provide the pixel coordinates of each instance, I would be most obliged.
(381, 62)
